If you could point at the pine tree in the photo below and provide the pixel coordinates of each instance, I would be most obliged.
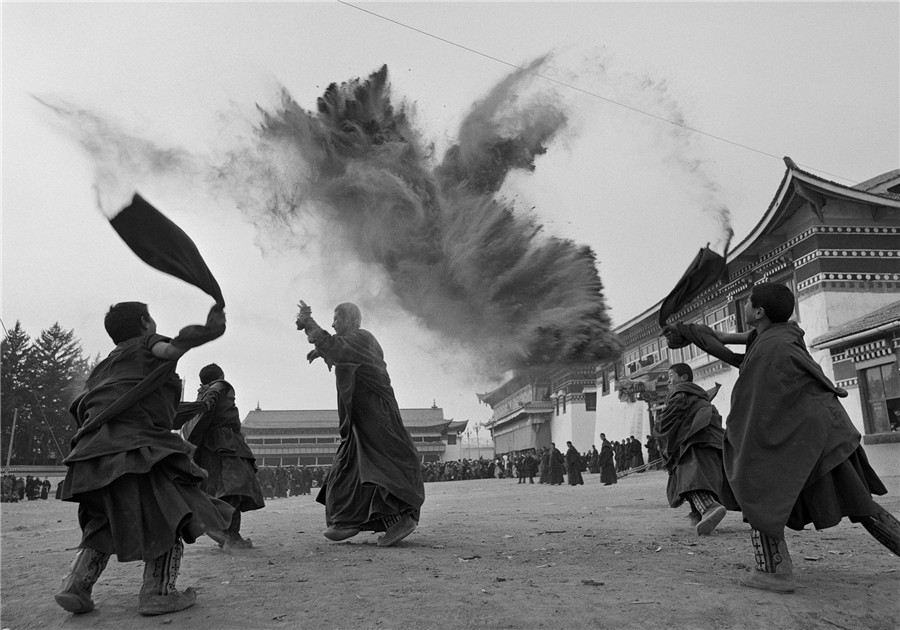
(60, 370)
(16, 376)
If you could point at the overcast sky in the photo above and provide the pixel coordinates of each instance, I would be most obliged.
(815, 81)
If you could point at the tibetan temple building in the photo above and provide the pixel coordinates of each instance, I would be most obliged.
(310, 438)
(837, 247)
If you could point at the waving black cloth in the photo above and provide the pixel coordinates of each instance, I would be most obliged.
(376, 470)
(164, 246)
(690, 437)
(705, 270)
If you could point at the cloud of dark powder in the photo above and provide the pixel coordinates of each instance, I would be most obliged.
(467, 264)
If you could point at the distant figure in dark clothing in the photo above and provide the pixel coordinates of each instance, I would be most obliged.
(637, 453)
(557, 464)
(594, 460)
(375, 482)
(544, 466)
(222, 451)
(573, 465)
(607, 465)
(690, 435)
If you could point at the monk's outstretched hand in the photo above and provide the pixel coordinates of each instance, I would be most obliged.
(304, 316)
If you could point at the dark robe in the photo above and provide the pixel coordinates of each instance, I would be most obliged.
(594, 461)
(809, 429)
(573, 467)
(690, 435)
(544, 467)
(607, 465)
(792, 455)
(557, 461)
(137, 489)
(222, 450)
(376, 471)
(637, 454)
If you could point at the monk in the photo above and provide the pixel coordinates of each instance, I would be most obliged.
(690, 435)
(573, 465)
(375, 482)
(138, 492)
(557, 465)
(221, 450)
(792, 456)
(608, 474)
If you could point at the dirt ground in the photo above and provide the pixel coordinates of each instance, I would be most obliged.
(488, 554)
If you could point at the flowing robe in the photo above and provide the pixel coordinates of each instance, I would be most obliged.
(376, 470)
(690, 437)
(573, 467)
(792, 456)
(607, 465)
(137, 489)
(222, 450)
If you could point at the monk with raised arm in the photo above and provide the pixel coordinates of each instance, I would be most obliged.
(375, 482)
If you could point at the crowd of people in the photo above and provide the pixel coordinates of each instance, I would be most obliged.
(279, 482)
(30, 488)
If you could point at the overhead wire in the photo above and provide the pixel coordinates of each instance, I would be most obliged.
(588, 92)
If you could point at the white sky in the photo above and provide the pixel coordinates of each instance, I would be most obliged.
(815, 81)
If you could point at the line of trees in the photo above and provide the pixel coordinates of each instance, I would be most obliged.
(38, 381)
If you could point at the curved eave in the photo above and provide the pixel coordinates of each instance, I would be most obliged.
(785, 194)
(778, 210)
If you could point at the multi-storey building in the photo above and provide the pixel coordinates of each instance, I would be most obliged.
(837, 247)
(310, 437)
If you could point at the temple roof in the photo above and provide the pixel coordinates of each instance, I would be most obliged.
(798, 187)
(313, 418)
(886, 318)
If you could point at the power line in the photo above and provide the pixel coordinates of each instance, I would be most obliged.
(588, 92)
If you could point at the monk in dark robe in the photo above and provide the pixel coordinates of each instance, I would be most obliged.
(557, 463)
(221, 450)
(375, 482)
(607, 465)
(544, 466)
(594, 460)
(690, 435)
(573, 465)
(792, 455)
(138, 492)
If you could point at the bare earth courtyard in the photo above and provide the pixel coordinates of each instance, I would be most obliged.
(488, 554)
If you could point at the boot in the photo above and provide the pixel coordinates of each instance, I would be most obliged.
(397, 528)
(694, 517)
(711, 511)
(774, 570)
(338, 534)
(75, 595)
(233, 538)
(884, 528)
(158, 593)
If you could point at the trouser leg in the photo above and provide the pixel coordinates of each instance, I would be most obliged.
(78, 584)
(884, 528)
